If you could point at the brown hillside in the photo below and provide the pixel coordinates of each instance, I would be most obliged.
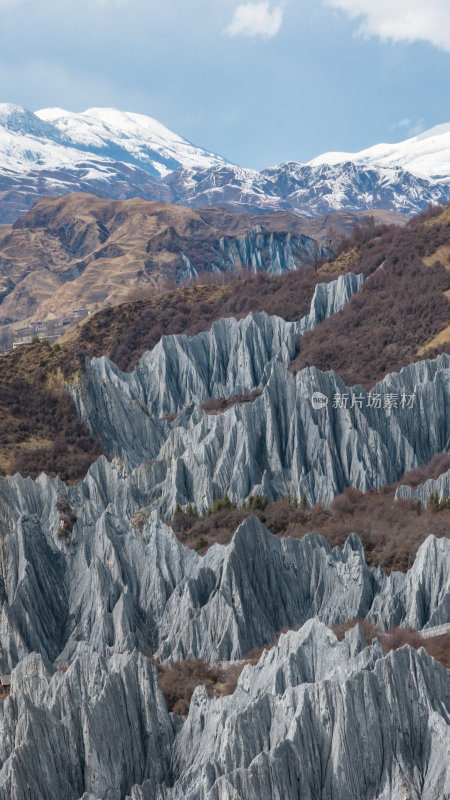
(39, 427)
(126, 331)
(402, 313)
(81, 251)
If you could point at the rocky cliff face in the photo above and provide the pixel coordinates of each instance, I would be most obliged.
(99, 727)
(265, 250)
(87, 597)
(106, 583)
(286, 729)
(282, 442)
(180, 373)
(313, 719)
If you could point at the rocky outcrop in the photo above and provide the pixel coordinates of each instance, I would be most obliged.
(118, 588)
(439, 487)
(99, 727)
(234, 357)
(319, 720)
(314, 719)
(264, 250)
(263, 584)
(283, 441)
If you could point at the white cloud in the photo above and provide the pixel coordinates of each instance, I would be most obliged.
(403, 123)
(412, 128)
(401, 20)
(255, 19)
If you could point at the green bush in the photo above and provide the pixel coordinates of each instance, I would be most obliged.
(256, 502)
(433, 502)
(200, 543)
(220, 505)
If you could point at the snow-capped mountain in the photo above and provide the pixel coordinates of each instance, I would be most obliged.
(52, 138)
(426, 155)
(120, 155)
(304, 189)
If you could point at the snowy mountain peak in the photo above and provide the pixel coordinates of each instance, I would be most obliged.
(426, 154)
(19, 120)
(52, 138)
(120, 154)
(128, 137)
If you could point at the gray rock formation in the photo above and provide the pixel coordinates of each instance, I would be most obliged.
(85, 591)
(314, 719)
(108, 584)
(100, 727)
(263, 250)
(234, 357)
(319, 720)
(277, 444)
(280, 443)
(440, 486)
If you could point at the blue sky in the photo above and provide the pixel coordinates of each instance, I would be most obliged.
(260, 82)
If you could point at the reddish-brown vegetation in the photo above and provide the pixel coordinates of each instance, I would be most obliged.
(439, 464)
(39, 427)
(436, 646)
(400, 309)
(125, 332)
(215, 405)
(391, 530)
(180, 678)
(369, 630)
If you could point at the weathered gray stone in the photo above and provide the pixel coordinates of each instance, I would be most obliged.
(314, 719)
(440, 486)
(100, 727)
(233, 357)
(318, 720)
(280, 443)
(118, 588)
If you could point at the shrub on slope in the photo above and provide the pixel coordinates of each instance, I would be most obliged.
(402, 307)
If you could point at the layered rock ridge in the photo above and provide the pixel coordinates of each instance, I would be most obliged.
(81, 604)
(314, 719)
(117, 588)
(283, 442)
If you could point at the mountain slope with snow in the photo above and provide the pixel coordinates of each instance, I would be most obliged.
(52, 138)
(426, 155)
(119, 155)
